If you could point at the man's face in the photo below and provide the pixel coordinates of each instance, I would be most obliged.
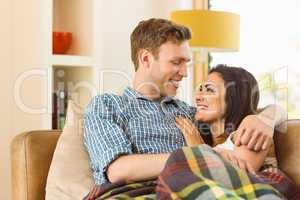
(170, 67)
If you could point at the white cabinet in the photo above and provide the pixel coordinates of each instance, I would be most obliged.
(40, 73)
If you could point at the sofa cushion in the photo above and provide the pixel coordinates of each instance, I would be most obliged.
(70, 176)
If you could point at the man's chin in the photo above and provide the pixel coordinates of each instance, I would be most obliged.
(172, 93)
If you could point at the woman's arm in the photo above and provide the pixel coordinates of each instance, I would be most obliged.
(231, 157)
(255, 159)
(240, 155)
(252, 158)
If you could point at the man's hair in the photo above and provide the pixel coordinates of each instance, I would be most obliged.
(151, 34)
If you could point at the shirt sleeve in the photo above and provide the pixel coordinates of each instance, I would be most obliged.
(104, 138)
(228, 144)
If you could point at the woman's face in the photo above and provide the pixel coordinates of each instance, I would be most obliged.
(210, 99)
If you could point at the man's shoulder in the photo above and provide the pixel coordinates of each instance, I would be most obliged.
(106, 101)
(106, 97)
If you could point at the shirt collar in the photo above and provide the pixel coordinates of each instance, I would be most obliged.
(132, 93)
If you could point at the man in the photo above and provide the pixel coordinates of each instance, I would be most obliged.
(125, 135)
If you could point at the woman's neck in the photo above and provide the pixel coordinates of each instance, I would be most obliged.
(217, 127)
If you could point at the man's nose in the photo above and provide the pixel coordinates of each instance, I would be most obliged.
(183, 70)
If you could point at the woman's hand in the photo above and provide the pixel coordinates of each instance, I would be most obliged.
(189, 131)
(235, 160)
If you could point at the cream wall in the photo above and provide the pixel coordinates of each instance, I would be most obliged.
(119, 18)
(5, 97)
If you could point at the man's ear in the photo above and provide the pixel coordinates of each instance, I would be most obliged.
(145, 58)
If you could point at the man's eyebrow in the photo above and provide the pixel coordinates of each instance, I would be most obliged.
(182, 58)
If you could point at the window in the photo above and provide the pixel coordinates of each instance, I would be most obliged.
(269, 46)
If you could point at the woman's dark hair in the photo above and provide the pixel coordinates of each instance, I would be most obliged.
(241, 97)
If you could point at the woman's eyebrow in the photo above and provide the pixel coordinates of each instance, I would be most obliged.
(207, 85)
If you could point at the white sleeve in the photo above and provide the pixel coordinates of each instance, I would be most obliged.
(228, 144)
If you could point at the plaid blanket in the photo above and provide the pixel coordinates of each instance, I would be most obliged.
(201, 173)
(123, 190)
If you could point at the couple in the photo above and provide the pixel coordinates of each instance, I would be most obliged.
(130, 137)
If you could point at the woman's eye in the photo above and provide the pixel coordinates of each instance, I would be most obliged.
(210, 90)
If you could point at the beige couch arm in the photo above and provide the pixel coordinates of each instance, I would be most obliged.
(287, 149)
(31, 155)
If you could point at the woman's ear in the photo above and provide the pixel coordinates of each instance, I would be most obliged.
(145, 58)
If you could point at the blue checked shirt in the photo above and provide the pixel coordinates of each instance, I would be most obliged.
(131, 124)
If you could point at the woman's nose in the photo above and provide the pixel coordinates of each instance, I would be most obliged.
(199, 98)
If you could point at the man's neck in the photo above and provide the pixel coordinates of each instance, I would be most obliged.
(148, 89)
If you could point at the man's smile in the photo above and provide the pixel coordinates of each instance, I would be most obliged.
(175, 83)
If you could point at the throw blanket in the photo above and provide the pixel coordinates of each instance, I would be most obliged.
(122, 190)
(200, 173)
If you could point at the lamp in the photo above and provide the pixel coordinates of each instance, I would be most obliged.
(212, 31)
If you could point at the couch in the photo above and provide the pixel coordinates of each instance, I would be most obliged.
(31, 155)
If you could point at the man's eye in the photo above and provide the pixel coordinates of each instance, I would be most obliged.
(176, 62)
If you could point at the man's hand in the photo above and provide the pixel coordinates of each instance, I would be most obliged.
(189, 131)
(254, 133)
(235, 160)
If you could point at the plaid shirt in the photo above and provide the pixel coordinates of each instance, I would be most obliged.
(131, 124)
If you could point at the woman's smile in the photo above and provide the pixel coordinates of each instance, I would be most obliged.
(201, 106)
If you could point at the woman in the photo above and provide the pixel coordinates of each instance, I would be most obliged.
(228, 96)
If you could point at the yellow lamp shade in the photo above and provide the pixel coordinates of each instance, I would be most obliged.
(214, 30)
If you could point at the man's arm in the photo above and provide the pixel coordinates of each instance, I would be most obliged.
(256, 131)
(104, 138)
(109, 148)
(273, 115)
(136, 167)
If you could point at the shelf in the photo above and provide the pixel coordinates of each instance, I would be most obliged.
(74, 61)
(75, 17)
